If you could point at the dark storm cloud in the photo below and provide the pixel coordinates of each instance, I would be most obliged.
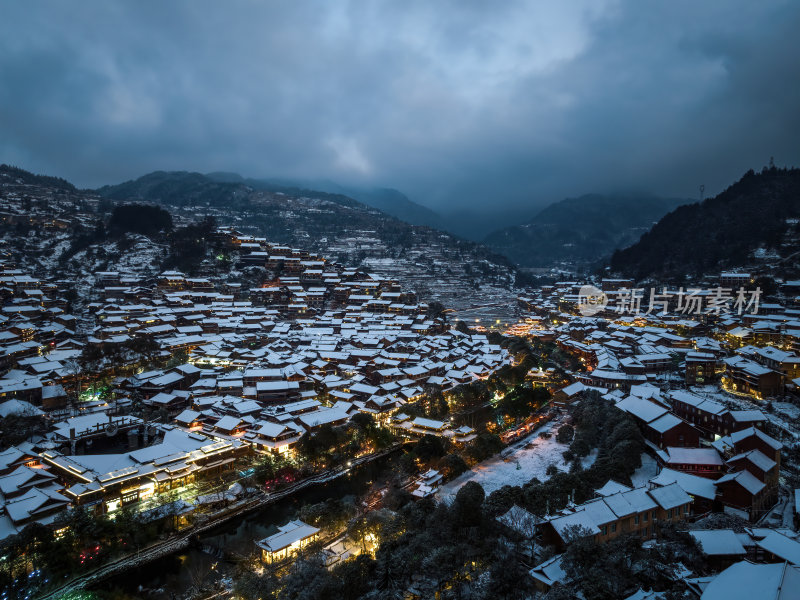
(460, 104)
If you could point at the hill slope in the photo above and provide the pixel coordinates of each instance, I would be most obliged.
(748, 218)
(22, 176)
(388, 200)
(435, 264)
(397, 204)
(580, 230)
(184, 188)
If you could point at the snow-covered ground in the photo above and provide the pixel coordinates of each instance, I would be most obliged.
(787, 409)
(517, 465)
(646, 472)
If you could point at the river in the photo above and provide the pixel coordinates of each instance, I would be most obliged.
(168, 578)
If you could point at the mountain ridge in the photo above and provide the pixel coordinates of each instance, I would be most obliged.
(292, 216)
(388, 200)
(190, 187)
(721, 232)
(33, 178)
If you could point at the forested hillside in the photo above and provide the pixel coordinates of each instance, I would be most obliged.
(757, 214)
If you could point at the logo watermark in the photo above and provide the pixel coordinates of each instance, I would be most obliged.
(692, 301)
(591, 300)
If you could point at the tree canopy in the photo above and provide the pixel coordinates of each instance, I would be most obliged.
(139, 218)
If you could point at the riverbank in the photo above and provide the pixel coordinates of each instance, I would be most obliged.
(181, 541)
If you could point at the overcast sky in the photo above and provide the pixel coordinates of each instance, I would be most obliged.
(457, 103)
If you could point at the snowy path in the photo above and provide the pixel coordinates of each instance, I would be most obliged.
(788, 512)
(646, 472)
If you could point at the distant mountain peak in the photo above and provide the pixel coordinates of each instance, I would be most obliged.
(580, 230)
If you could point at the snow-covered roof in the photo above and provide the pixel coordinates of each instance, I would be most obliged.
(694, 456)
(670, 496)
(612, 487)
(691, 484)
(745, 479)
(781, 546)
(747, 581)
(642, 409)
(758, 458)
(288, 534)
(719, 542)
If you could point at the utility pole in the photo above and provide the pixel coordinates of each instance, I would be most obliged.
(702, 191)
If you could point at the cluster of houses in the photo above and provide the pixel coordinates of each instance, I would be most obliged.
(57, 206)
(618, 510)
(750, 562)
(243, 371)
(694, 383)
(727, 446)
(737, 473)
(33, 319)
(751, 349)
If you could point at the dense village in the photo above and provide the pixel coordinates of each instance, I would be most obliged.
(244, 374)
(399, 301)
(709, 375)
(142, 406)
